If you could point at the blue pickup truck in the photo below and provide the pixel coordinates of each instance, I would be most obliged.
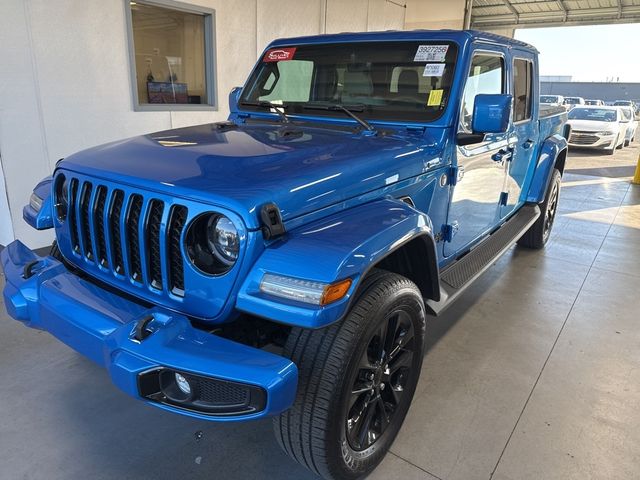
(285, 262)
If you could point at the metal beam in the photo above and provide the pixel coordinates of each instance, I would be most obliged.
(563, 8)
(511, 8)
(602, 15)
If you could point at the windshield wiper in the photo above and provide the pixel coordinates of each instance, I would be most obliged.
(279, 109)
(342, 108)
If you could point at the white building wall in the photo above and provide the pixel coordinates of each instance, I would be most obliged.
(66, 85)
(434, 14)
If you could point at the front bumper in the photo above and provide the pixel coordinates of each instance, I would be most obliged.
(102, 326)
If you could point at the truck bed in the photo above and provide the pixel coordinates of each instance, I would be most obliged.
(552, 120)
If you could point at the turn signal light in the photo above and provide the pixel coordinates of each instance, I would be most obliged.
(335, 291)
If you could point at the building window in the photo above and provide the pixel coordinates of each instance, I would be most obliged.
(171, 50)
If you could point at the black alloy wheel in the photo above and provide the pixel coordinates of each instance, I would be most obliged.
(384, 370)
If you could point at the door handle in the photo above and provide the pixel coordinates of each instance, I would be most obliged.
(528, 144)
(502, 154)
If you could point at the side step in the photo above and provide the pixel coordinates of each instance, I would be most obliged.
(455, 278)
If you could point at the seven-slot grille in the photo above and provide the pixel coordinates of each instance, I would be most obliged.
(125, 234)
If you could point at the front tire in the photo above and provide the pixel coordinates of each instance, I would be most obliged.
(356, 379)
(538, 234)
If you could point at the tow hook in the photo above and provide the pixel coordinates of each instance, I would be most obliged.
(142, 330)
(30, 269)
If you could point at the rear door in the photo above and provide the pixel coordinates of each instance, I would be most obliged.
(524, 130)
(474, 207)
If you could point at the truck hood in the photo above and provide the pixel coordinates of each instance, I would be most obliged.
(300, 168)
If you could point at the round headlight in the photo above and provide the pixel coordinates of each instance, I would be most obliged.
(222, 236)
(213, 243)
(61, 197)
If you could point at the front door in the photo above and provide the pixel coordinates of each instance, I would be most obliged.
(524, 130)
(475, 202)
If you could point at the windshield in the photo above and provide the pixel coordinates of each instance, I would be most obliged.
(572, 100)
(548, 99)
(595, 114)
(627, 114)
(625, 103)
(382, 81)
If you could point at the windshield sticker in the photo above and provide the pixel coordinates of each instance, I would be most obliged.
(435, 98)
(431, 53)
(433, 70)
(279, 54)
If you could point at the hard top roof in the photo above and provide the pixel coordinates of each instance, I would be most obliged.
(459, 36)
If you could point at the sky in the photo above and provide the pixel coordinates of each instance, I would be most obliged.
(594, 53)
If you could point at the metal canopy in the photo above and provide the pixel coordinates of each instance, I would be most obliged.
(493, 14)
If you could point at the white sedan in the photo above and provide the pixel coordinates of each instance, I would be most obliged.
(628, 116)
(597, 127)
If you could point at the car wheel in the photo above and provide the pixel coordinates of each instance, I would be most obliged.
(627, 142)
(621, 144)
(356, 380)
(538, 234)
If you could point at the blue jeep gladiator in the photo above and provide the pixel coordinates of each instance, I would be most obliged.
(284, 262)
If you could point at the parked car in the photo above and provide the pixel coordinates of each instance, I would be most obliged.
(573, 101)
(283, 263)
(629, 103)
(555, 100)
(594, 102)
(628, 117)
(598, 127)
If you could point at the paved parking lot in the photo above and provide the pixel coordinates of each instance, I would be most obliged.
(533, 374)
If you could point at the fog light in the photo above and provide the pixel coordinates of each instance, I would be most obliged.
(183, 384)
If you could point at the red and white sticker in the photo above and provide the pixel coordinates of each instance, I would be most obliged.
(279, 54)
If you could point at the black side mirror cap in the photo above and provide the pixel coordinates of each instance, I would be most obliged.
(463, 139)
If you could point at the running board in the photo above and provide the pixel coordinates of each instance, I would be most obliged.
(455, 278)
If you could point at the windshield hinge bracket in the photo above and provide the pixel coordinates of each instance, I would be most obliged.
(271, 221)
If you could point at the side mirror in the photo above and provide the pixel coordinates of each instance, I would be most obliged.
(491, 113)
(234, 98)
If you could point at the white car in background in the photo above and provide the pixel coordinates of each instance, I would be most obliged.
(598, 127)
(628, 117)
(555, 100)
(572, 102)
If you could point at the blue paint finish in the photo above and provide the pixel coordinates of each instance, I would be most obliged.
(549, 152)
(492, 113)
(346, 252)
(99, 324)
(43, 218)
(339, 191)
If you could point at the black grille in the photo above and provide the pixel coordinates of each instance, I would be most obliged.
(85, 228)
(126, 234)
(98, 225)
(71, 215)
(219, 392)
(156, 207)
(115, 231)
(133, 237)
(177, 220)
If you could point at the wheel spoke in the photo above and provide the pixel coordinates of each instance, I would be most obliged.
(403, 360)
(364, 428)
(384, 416)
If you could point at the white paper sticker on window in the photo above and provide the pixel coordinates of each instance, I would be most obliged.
(431, 53)
(433, 70)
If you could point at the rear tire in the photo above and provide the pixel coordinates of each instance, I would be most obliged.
(356, 379)
(538, 234)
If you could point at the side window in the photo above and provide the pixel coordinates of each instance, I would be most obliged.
(485, 76)
(293, 84)
(522, 89)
